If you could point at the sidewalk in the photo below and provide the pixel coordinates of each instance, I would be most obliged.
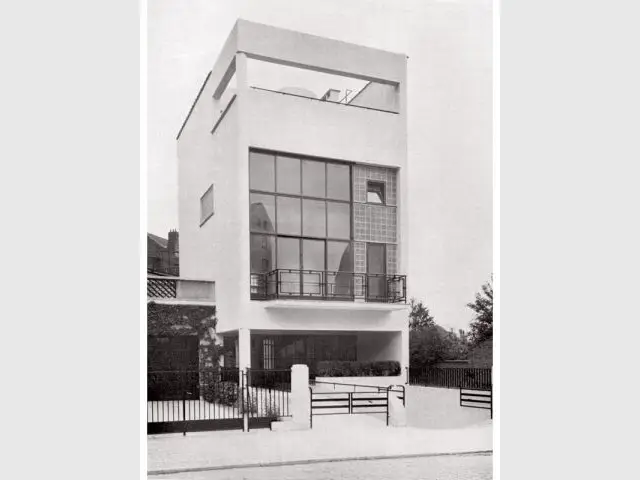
(333, 437)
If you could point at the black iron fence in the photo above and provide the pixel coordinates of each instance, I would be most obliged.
(325, 285)
(477, 398)
(271, 379)
(352, 399)
(451, 377)
(215, 399)
(193, 400)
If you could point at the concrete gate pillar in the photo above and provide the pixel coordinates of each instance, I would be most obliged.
(300, 398)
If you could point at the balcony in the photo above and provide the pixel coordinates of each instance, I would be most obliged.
(180, 290)
(328, 286)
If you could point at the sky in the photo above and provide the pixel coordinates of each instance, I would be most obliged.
(449, 44)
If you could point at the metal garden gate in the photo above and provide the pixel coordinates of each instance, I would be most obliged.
(375, 400)
(215, 399)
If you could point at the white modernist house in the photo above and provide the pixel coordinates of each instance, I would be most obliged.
(293, 199)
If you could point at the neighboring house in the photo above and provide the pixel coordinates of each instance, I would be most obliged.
(296, 204)
(163, 257)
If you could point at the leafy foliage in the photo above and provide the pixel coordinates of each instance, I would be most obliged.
(429, 343)
(170, 320)
(358, 369)
(225, 393)
(419, 317)
(482, 324)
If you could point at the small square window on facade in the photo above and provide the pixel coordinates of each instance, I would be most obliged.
(375, 192)
(206, 205)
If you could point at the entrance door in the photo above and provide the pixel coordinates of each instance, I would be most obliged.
(376, 272)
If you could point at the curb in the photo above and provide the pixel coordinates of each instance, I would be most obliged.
(318, 460)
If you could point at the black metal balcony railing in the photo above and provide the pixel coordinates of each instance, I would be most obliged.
(323, 285)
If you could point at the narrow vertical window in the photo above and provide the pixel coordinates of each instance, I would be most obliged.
(206, 205)
(268, 353)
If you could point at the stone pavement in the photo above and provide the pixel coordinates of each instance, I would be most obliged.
(442, 467)
(332, 437)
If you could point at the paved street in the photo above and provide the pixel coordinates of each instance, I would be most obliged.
(332, 437)
(450, 467)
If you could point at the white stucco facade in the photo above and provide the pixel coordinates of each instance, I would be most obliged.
(213, 149)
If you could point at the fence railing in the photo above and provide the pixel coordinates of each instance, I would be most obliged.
(451, 377)
(354, 387)
(271, 379)
(325, 285)
(215, 399)
(374, 400)
(477, 398)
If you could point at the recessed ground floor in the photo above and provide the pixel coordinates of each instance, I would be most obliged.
(269, 349)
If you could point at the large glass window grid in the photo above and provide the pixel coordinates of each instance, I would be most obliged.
(308, 228)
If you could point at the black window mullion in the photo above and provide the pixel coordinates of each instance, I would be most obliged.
(351, 233)
(301, 265)
(301, 197)
(293, 195)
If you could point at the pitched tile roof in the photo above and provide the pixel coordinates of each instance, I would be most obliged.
(163, 242)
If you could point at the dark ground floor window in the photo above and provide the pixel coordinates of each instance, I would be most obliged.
(283, 351)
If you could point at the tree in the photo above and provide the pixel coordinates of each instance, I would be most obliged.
(427, 346)
(482, 324)
(419, 317)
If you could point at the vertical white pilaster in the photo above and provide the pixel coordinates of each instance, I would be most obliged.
(244, 348)
(404, 354)
(300, 399)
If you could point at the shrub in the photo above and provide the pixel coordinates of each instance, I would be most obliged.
(358, 369)
(225, 393)
(270, 408)
(251, 407)
(261, 407)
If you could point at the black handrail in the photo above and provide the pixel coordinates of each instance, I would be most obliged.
(328, 285)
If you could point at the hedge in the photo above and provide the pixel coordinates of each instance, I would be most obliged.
(358, 369)
(225, 393)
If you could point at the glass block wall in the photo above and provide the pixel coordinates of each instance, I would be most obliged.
(374, 223)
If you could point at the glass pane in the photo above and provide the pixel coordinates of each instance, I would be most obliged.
(262, 172)
(375, 192)
(262, 213)
(288, 175)
(288, 283)
(289, 253)
(314, 218)
(339, 257)
(313, 259)
(289, 215)
(375, 258)
(313, 255)
(263, 253)
(288, 258)
(339, 260)
(376, 281)
(339, 217)
(338, 182)
(313, 178)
